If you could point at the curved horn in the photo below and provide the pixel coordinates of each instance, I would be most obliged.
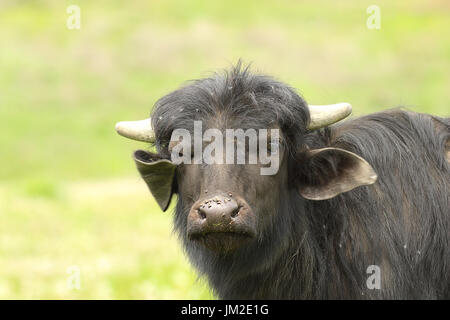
(140, 130)
(325, 115)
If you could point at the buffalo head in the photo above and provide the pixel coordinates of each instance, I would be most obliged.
(225, 206)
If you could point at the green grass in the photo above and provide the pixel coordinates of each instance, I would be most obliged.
(110, 229)
(69, 193)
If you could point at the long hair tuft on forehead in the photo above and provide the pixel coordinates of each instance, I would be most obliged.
(245, 99)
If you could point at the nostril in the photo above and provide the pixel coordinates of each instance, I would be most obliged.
(201, 214)
(235, 212)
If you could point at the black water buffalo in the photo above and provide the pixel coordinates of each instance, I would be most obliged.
(358, 209)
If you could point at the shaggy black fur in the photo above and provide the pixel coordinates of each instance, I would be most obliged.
(321, 249)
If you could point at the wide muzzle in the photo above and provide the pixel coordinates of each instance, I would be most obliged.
(222, 223)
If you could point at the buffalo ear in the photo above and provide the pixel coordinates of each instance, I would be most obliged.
(158, 174)
(328, 172)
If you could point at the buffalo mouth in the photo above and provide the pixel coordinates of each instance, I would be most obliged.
(222, 241)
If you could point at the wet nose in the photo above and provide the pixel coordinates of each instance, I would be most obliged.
(218, 210)
(221, 223)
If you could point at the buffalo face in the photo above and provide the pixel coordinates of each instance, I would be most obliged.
(225, 207)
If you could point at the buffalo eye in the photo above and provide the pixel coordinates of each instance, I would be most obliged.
(180, 151)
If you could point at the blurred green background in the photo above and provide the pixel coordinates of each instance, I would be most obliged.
(69, 191)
